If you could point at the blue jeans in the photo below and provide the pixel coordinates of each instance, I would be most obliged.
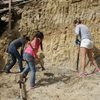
(14, 54)
(30, 67)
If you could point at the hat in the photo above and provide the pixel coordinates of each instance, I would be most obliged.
(75, 21)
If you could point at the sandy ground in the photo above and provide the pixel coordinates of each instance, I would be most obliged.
(55, 84)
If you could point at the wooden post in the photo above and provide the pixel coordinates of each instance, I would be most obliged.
(10, 15)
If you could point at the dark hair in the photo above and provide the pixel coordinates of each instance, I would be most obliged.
(40, 35)
(27, 38)
(77, 21)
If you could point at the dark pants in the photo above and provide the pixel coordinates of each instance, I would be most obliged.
(14, 54)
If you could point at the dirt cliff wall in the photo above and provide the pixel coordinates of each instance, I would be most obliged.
(55, 20)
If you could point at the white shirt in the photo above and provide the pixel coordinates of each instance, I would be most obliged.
(83, 31)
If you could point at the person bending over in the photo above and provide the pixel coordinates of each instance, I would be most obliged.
(86, 45)
(30, 55)
(12, 49)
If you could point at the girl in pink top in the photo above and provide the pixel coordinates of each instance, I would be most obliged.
(35, 45)
(30, 55)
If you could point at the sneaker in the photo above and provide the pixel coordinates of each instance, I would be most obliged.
(98, 70)
(81, 74)
(8, 72)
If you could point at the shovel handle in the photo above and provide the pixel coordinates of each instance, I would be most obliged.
(37, 57)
